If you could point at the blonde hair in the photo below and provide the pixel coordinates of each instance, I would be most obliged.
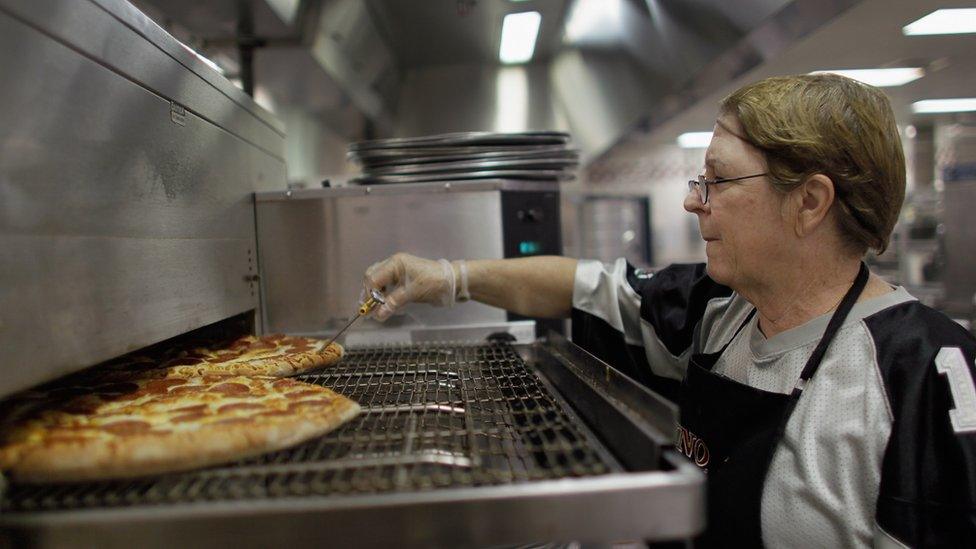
(835, 126)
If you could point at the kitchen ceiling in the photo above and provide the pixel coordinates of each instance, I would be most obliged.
(869, 35)
(648, 69)
(452, 32)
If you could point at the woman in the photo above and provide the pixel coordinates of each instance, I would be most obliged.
(828, 408)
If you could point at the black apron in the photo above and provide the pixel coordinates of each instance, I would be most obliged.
(731, 430)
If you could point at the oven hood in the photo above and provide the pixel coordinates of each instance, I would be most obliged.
(601, 68)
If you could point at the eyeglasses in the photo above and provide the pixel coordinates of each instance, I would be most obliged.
(701, 184)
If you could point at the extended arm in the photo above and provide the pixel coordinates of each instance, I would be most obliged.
(533, 286)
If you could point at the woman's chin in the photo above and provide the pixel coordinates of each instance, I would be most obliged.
(716, 270)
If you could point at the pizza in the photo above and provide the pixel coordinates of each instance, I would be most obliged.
(270, 355)
(154, 424)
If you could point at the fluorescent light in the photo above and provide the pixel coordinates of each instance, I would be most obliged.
(929, 106)
(694, 140)
(880, 77)
(286, 10)
(947, 21)
(519, 31)
(594, 23)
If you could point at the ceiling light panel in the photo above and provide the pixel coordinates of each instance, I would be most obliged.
(519, 33)
(931, 106)
(694, 140)
(881, 78)
(946, 21)
(595, 23)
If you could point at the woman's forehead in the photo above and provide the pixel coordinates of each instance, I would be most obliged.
(728, 145)
(723, 146)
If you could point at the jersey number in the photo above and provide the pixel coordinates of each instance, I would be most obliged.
(952, 364)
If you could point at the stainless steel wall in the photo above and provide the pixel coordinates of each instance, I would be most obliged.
(615, 226)
(127, 169)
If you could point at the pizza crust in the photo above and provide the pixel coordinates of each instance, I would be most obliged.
(142, 455)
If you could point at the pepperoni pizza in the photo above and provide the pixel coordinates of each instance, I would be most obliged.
(270, 355)
(155, 423)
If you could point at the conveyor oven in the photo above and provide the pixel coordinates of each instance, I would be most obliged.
(128, 220)
(458, 444)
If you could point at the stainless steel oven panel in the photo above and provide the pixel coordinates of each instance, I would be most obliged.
(124, 219)
(314, 246)
(658, 505)
(118, 36)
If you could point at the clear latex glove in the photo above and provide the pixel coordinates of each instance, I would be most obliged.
(404, 279)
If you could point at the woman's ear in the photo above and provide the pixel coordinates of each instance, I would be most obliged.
(812, 202)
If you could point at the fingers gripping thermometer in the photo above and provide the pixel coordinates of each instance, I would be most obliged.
(374, 299)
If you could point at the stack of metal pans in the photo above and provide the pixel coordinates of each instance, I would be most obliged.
(468, 155)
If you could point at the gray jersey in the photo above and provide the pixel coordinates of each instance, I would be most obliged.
(825, 480)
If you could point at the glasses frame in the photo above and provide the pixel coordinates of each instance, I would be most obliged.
(701, 184)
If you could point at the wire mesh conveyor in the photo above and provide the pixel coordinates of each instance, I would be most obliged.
(433, 416)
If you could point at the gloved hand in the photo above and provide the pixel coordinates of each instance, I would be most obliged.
(404, 278)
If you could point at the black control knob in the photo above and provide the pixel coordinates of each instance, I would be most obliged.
(532, 215)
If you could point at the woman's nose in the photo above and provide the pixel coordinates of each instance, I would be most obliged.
(693, 203)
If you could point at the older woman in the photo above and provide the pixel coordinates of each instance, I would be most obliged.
(829, 408)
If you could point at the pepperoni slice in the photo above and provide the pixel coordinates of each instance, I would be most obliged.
(187, 409)
(283, 384)
(160, 386)
(183, 418)
(241, 343)
(231, 388)
(262, 346)
(80, 408)
(241, 406)
(187, 389)
(127, 427)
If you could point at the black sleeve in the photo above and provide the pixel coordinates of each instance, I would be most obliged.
(927, 496)
(672, 301)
